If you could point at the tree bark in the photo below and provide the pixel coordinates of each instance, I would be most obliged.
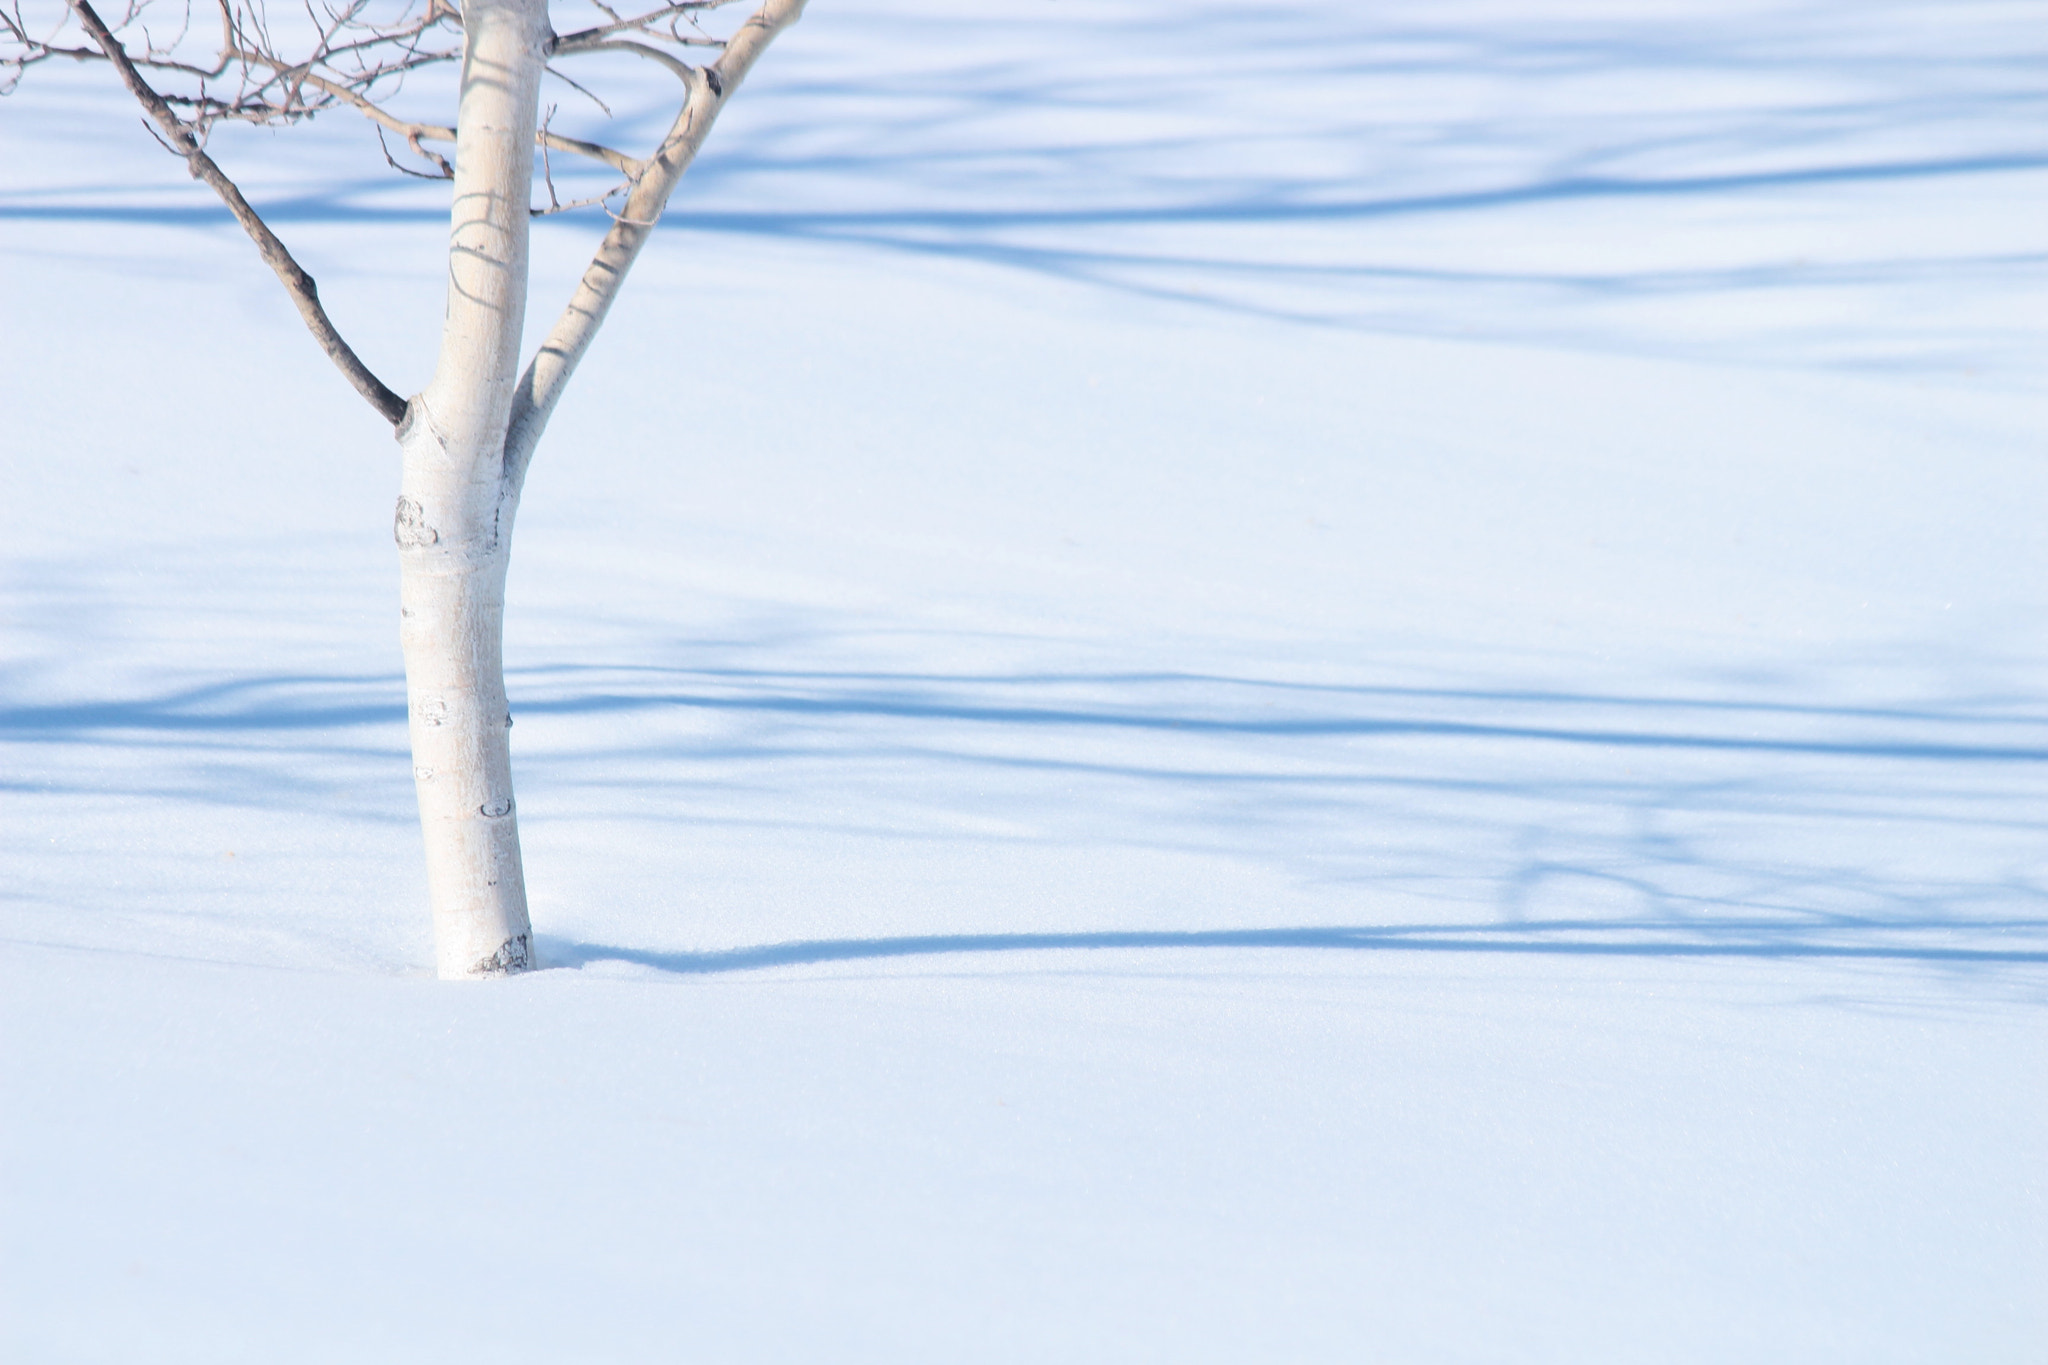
(455, 509)
(548, 374)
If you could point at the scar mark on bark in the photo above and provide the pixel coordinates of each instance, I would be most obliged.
(514, 955)
(433, 711)
(410, 527)
(496, 810)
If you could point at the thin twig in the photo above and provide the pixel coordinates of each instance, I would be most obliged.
(587, 94)
(443, 170)
(547, 166)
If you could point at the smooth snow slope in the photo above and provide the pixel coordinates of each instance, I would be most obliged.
(1281, 682)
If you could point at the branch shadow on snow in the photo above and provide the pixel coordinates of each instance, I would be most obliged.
(1545, 821)
(1169, 252)
(1250, 162)
(306, 702)
(358, 203)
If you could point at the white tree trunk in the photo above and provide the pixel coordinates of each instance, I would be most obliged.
(456, 505)
(467, 437)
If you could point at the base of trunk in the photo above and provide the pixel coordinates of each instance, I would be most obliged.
(515, 955)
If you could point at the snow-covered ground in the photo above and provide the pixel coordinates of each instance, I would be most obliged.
(1302, 681)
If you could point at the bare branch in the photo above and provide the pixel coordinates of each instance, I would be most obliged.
(547, 166)
(414, 132)
(352, 59)
(541, 386)
(442, 170)
(682, 70)
(581, 90)
(357, 54)
(304, 292)
(618, 161)
(595, 201)
(663, 17)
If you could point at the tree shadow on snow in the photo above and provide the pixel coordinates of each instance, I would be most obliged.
(1643, 939)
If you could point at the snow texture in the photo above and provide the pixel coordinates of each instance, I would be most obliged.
(1280, 682)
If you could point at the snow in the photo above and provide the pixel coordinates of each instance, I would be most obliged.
(1193, 682)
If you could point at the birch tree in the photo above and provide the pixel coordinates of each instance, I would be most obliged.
(467, 438)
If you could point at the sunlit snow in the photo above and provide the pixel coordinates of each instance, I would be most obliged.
(1194, 682)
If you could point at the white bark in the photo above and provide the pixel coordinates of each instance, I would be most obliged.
(570, 338)
(455, 509)
(467, 440)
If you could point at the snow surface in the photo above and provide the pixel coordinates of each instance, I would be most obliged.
(1286, 682)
